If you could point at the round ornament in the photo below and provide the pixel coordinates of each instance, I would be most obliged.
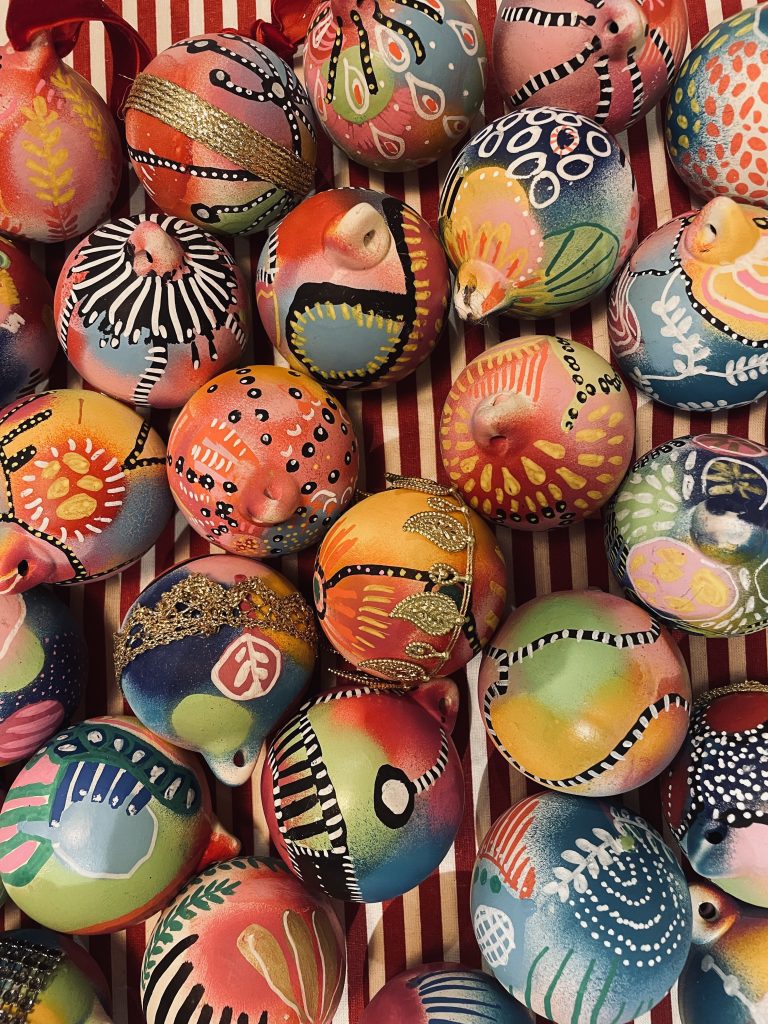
(687, 534)
(612, 62)
(580, 909)
(537, 432)
(688, 315)
(410, 583)
(103, 825)
(353, 288)
(717, 791)
(598, 673)
(537, 214)
(717, 111)
(220, 132)
(212, 655)
(363, 790)
(244, 941)
(149, 308)
(86, 489)
(395, 83)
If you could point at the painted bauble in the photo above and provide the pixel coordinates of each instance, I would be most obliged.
(410, 583)
(244, 941)
(580, 909)
(537, 214)
(353, 288)
(687, 534)
(395, 83)
(537, 432)
(688, 316)
(213, 654)
(717, 790)
(262, 461)
(86, 489)
(220, 132)
(103, 825)
(149, 308)
(597, 672)
(612, 61)
(717, 111)
(363, 790)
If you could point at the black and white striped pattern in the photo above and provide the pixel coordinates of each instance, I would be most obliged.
(268, 263)
(431, 775)
(544, 78)
(636, 81)
(548, 19)
(605, 98)
(664, 49)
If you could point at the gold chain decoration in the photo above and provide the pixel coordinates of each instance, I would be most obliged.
(750, 686)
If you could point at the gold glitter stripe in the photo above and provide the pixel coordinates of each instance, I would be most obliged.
(199, 120)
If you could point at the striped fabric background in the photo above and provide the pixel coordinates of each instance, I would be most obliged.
(397, 431)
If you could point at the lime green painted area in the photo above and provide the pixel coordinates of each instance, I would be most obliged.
(69, 997)
(25, 662)
(376, 101)
(217, 725)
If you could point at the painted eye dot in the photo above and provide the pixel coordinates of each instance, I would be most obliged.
(708, 911)
(234, 416)
(294, 392)
(613, 27)
(761, 222)
(395, 795)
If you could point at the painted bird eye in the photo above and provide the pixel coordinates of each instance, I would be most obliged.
(708, 911)
(761, 222)
(393, 796)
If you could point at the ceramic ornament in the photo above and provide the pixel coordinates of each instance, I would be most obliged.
(717, 110)
(687, 534)
(580, 909)
(220, 132)
(244, 942)
(612, 62)
(149, 308)
(410, 583)
(262, 461)
(537, 214)
(353, 288)
(716, 801)
(537, 432)
(213, 654)
(103, 825)
(688, 316)
(363, 790)
(85, 490)
(395, 83)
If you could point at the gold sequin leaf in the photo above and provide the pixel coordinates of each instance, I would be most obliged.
(442, 529)
(434, 614)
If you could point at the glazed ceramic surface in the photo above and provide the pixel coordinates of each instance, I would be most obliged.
(688, 316)
(612, 61)
(537, 214)
(363, 790)
(409, 584)
(112, 818)
(584, 692)
(84, 489)
(149, 308)
(262, 461)
(395, 83)
(245, 942)
(717, 791)
(353, 288)
(687, 534)
(717, 110)
(213, 654)
(220, 132)
(580, 909)
(537, 432)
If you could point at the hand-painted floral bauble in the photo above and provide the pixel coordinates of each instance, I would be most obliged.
(244, 942)
(611, 61)
(537, 432)
(213, 654)
(262, 461)
(580, 909)
(717, 110)
(103, 825)
(363, 790)
(537, 214)
(688, 316)
(395, 83)
(220, 132)
(410, 583)
(717, 795)
(353, 287)
(86, 490)
(687, 534)
(598, 673)
(149, 308)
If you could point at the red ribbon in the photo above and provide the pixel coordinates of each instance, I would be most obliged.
(288, 28)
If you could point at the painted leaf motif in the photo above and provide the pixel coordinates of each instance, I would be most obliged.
(249, 667)
(392, 49)
(391, 147)
(262, 951)
(582, 260)
(304, 954)
(428, 99)
(434, 614)
(356, 88)
(466, 35)
(443, 530)
(333, 968)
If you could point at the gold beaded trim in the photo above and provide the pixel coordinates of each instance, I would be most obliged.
(750, 686)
